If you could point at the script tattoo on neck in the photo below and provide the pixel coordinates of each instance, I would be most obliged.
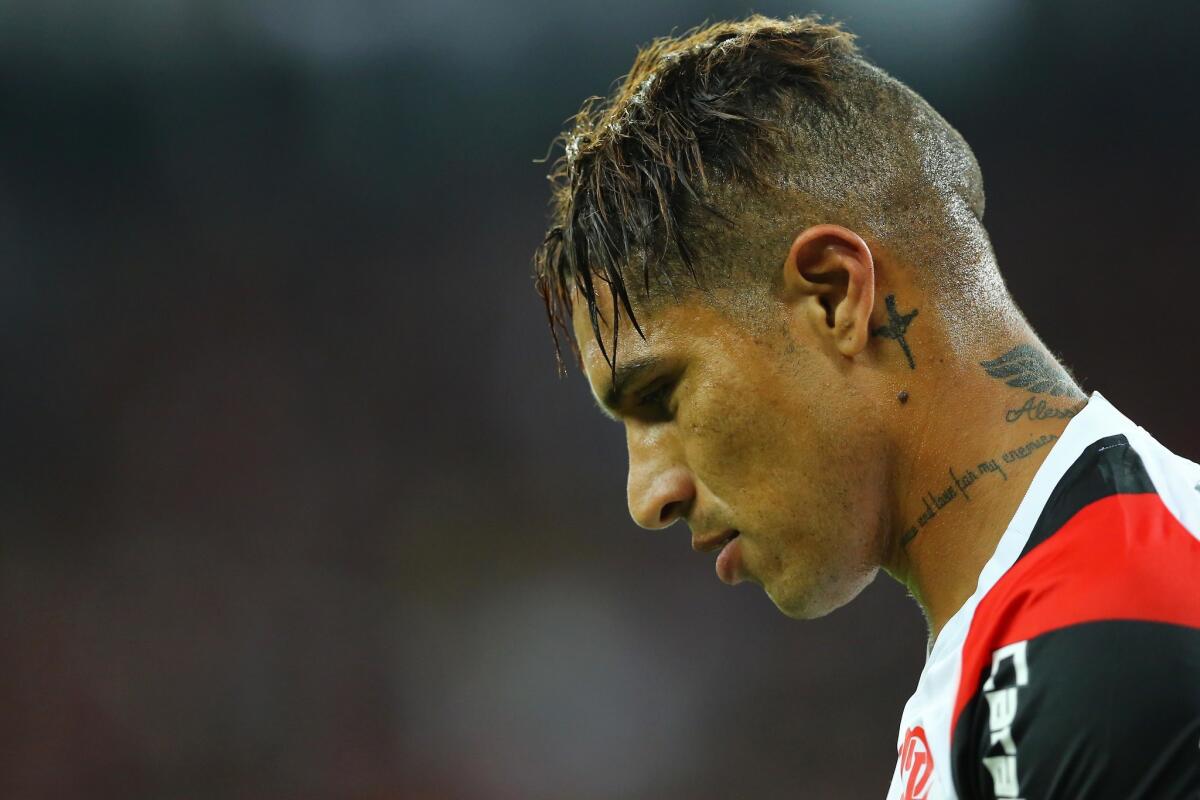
(896, 327)
(1023, 367)
(1036, 411)
(958, 487)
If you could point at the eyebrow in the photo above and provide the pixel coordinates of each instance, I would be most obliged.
(627, 372)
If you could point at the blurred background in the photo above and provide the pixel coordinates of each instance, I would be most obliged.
(293, 503)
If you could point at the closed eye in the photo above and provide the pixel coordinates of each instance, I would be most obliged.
(653, 402)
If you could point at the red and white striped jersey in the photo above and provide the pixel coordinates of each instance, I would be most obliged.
(1073, 671)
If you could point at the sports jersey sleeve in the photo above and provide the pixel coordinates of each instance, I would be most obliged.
(1096, 710)
(1081, 670)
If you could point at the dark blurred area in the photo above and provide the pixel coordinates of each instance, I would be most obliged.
(294, 504)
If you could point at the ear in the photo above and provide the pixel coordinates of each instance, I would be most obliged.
(829, 276)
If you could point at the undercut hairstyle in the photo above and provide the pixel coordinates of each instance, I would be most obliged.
(721, 144)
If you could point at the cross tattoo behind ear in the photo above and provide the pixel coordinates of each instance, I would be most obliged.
(897, 326)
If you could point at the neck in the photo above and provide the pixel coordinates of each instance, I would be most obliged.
(972, 444)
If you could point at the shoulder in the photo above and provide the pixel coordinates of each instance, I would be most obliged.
(1080, 671)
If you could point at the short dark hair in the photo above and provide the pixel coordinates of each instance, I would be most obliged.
(708, 124)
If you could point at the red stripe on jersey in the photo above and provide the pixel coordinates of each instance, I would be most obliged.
(1124, 556)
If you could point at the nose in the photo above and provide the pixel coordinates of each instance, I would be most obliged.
(660, 490)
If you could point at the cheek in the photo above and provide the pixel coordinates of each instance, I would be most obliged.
(839, 520)
(823, 544)
(747, 444)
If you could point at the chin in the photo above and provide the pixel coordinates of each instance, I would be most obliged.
(807, 600)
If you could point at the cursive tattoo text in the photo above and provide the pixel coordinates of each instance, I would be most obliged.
(1035, 409)
(960, 483)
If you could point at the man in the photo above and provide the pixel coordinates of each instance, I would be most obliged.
(769, 258)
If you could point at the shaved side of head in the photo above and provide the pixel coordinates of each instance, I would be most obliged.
(723, 143)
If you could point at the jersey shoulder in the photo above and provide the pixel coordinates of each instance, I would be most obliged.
(1080, 671)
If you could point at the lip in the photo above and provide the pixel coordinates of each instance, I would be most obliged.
(710, 543)
(729, 562)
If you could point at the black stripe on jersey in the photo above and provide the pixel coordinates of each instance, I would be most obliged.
(1104, 710)
(1106, 467)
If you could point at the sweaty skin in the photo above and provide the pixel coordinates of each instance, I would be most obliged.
(831, 447)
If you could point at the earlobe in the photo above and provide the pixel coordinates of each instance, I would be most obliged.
(830, 274)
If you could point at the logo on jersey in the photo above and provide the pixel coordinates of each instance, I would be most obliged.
(916, 764)
(1010, 671)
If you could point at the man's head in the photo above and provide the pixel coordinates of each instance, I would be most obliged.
(726, 227)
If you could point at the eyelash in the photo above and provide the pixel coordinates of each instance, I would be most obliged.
(656, 396)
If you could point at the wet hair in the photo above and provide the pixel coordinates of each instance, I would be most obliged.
(718, 142)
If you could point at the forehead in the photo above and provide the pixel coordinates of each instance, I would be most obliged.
(675, 332)
(629, 342)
